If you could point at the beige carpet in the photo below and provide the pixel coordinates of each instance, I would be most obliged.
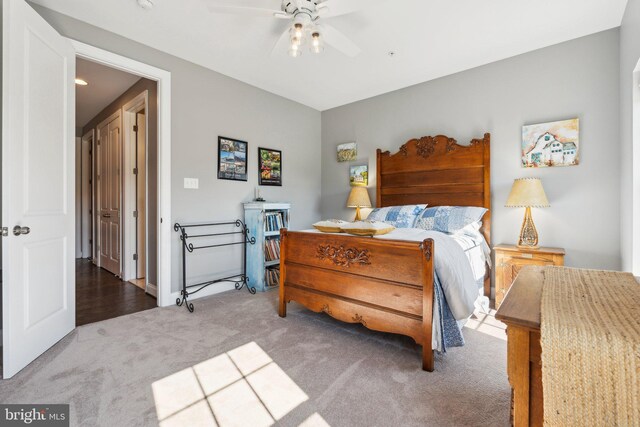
(235, 362)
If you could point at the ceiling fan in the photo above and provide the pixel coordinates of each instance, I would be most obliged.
(304, 16)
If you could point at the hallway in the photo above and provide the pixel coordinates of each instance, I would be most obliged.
(100, 295)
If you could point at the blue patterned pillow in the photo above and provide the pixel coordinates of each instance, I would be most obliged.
(398, 216)
(449, 219)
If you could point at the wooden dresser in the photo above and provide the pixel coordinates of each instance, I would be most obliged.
(509, 259)
(520, 311)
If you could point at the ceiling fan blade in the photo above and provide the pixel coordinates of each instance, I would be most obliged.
(331, 8)
(339, 41)
(281, 44)
(247, 7)
(256, 4)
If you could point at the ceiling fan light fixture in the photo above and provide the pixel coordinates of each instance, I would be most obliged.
(317, 46)
(298, 30)
(295, 51)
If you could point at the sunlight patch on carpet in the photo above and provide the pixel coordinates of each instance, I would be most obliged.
(243, 386)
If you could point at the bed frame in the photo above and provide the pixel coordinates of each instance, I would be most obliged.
(387, 285)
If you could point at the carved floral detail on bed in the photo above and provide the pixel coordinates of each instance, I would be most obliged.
(343, 257)
(426, 146)
(325, 309)
(358, 319)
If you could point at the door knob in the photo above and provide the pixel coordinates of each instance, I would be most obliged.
(17, 230)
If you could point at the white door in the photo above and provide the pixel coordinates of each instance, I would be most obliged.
(110, 192)
(38, 186)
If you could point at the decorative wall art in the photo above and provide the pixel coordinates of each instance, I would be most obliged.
(347, 152)
(232, 159)
(551, 144)
(359, 175)
(269, 166)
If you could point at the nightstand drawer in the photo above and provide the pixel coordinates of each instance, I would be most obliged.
(509, 260)
(509, 267)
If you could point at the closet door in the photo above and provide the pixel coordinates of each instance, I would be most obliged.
(110, 192)
(141, 196)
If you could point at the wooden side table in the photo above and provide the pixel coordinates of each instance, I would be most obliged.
(509, 259)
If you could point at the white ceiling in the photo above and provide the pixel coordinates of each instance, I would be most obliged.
(104, 86)
(431, 38)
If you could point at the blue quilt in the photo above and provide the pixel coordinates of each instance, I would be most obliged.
(451, 331)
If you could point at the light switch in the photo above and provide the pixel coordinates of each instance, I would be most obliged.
(191, 183)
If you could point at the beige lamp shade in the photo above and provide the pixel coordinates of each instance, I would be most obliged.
(527, 193)
(359, 198)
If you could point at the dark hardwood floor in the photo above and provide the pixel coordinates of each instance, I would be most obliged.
(100, 295)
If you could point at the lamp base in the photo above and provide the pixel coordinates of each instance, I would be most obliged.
(528, 233)
(358, 217)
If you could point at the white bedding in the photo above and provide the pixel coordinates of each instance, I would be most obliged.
(452, 266)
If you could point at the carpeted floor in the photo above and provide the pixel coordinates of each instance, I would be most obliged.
(258, 369)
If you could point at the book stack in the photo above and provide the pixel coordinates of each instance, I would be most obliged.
(272, 276)
(272, 249)
(274, 221)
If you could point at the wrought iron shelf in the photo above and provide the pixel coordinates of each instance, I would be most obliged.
(209, 239)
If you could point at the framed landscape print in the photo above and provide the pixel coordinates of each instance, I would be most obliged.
(359, 175)
(347, 152)
(269, 166)
(232, 159)
(551, 144)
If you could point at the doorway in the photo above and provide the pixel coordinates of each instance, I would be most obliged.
(39, 140)
(112, 180)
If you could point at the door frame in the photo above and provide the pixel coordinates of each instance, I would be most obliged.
(129, 111)
(635, 184)
(89, 139)
(163, 79)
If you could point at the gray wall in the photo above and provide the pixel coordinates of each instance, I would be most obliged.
(629, 56)
(152, 157)
(578, 78)
(206, 104)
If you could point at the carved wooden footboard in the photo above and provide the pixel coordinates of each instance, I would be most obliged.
(386, 285)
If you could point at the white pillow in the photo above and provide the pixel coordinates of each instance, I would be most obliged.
(367, 228)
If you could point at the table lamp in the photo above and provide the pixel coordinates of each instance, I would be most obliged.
(358, 198)
(527, 193)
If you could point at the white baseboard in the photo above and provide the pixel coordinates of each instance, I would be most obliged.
(211, 290)
(152, 289)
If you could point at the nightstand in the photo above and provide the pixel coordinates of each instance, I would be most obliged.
(509, 259)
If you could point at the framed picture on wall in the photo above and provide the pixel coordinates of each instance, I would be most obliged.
(359, 175)
(347, 152)
(269, 166)
(232, 159)
(551, 144)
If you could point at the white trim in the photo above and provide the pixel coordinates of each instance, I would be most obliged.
(152, 289)
(206, 292)
(129, 111)
(635, 166)
(163, 78)
(87, 139)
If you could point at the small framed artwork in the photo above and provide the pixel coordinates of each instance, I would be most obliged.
(232, 159)
(551, 144)
(269, 166)
(347, 152)
(359, 175)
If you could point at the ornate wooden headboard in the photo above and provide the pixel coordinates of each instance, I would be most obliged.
(438, 171)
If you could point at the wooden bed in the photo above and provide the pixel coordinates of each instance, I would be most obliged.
(387, 285)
